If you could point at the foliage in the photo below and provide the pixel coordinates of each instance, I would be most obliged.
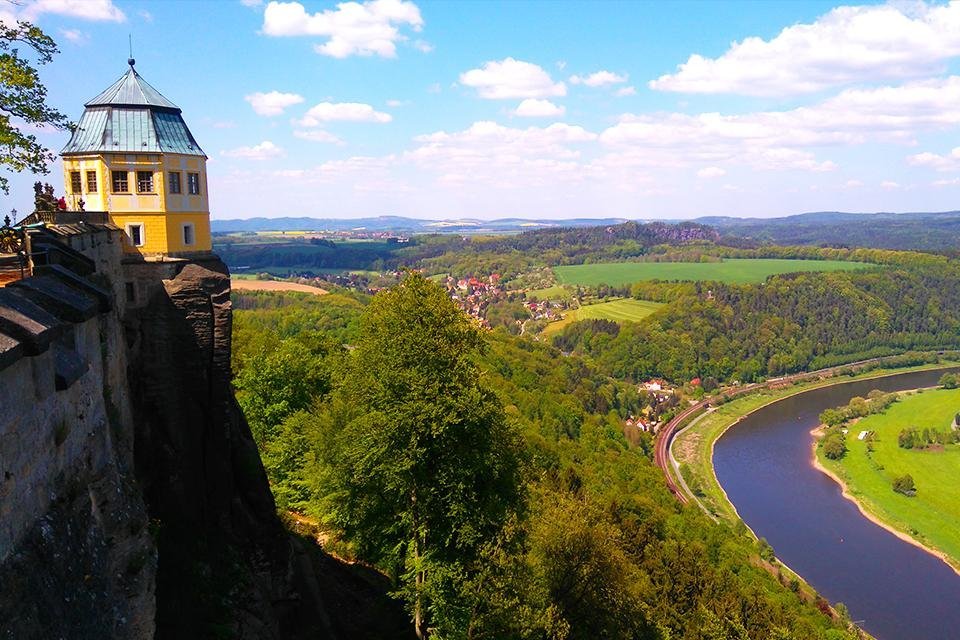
(599, 547)
(904, 484)
(23, 100)
(834, 445)
(950, 381)
(875, 402)
(422, 467)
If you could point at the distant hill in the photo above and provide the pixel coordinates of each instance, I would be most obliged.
(919, 231)
(403, 225)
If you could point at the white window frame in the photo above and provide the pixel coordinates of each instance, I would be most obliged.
(193, 234)
(143, 233)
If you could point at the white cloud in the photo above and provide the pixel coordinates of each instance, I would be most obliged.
(946, 162)
(353, 28)
(782, 139)
(625, 91)
(847, 45)
(533, 108)
(272, 103)
(263, 151)
(889, 185)
(75, 36)
(503, 157)
(318, 135)
(711, 172)
(422, 46)
(96, 10)
(945, 183)
(599, 79)
(510, 78)
(342, 112)
(146, 15)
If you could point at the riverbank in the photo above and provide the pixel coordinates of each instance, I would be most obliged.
(931, 520)
(693, 446)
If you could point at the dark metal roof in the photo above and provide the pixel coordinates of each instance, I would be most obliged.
(132, 117)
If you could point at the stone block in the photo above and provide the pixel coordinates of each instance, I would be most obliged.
(59, 299)
(104, 298)
(34, 327)
(11, 350)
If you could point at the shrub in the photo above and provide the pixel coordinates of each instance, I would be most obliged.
(949, 381)
(904, 484)
(834, 445)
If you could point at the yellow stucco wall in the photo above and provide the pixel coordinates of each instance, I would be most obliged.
(161, 213)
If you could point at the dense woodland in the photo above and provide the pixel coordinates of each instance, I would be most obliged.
(579, 539)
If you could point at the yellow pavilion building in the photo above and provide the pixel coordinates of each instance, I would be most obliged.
(133, 157)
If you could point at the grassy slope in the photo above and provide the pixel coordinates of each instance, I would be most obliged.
(625, 310)
(693, 447)
(555, 292)
(933, 516)
(733, 270)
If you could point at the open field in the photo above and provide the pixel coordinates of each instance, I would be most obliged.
(732, 270)
(693, 446)
(932, 517)
(245, 284)
(625, 310)
(555, 292)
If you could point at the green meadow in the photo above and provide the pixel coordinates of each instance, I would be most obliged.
(625, 310)
(933, 515)
(731, 270)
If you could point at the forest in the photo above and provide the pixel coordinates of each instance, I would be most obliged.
(549, 521)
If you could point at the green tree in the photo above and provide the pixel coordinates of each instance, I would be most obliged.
(904, 484)
(949, 381)
(423, 468)
(23, 100)
(834, 445)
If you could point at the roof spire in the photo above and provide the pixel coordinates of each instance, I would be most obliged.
(130, 60)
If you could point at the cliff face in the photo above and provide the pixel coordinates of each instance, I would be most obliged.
(133, 503)
(199, 468)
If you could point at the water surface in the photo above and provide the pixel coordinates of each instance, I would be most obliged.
(896, 589)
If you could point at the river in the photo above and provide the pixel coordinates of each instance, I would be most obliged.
(893, 589)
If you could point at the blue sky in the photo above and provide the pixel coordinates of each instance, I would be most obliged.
(536, 109)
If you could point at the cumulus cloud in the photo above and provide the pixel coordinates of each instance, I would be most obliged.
(510, 78)
(342, 112)
(318, 135)
(533, 108)
(263, 151)
(369, 28)
(625, 91)
(94, 10)
(782, 139)
(492, 154)
(946, 162)
(848, 45)
(711, 172)
(272, 103)
(75, 36)
(599, 79)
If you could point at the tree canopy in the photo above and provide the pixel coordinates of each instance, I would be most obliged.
(23, 100)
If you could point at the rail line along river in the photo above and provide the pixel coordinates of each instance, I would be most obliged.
(895, 590)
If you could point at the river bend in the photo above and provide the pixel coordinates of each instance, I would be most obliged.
(895, 590)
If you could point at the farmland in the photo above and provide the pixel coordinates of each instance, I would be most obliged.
(246, 284)
(933, 515)
(731, 270)
(626, 310)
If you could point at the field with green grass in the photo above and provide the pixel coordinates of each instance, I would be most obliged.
(555, 292)
(732, 270)
(932, 516)
(624, 310)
